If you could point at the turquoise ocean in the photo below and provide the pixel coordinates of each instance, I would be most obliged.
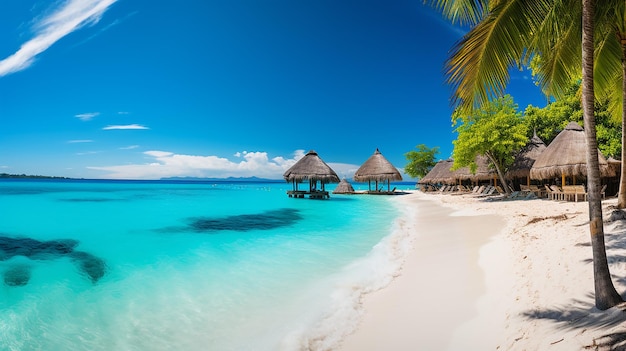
(156, 265)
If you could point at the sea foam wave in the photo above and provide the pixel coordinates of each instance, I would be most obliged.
(337, 316)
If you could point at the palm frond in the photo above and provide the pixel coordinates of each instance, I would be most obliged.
(464, 12)
(557, 41)
(478, 68)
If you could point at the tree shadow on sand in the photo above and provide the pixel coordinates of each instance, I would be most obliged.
(582, 317)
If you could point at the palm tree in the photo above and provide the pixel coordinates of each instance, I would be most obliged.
(605, 294)
(508, 33)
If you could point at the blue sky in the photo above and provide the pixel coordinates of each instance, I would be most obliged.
(145, 89)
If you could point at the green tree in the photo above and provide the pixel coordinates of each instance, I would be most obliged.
(420, 161)
(508, 33)
(550, 120)
(496, 131)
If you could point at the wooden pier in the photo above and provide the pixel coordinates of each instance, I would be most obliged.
(314, 194)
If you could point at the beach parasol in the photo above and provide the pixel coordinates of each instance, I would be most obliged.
(312, 168)
(483, 171)
(344, 187)
(440, 173)
(377, 168)
(567, 156)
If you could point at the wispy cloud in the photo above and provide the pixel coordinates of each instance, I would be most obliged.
(126, 126)
(129, 147)
(70, 16)
(87, 116)
(168, 164)
(78, 141)
(107, 27)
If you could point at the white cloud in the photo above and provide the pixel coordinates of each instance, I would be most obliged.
(79, 141)
(130, 147)
(168, 164)
(127, 126)
(72, 15)
(344, 170)
(87, 116)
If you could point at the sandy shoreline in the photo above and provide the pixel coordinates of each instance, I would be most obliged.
(496, 275)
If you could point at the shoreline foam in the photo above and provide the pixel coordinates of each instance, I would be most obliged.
(371, 273)
(437, 289)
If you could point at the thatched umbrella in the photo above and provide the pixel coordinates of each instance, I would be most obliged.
(312, 168)
(567, 156)
(377, 168)
(440, 173)
(526, 158)
(483, 171)
(344, 187)
(615, 164)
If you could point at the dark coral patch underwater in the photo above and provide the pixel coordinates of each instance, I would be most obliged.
(241, 223)
(246, 222)
(18, 275)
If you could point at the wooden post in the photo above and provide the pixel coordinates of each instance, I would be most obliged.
(528, 179)
(562, 179)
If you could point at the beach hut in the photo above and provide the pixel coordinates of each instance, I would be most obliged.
(525, 159)
(483, 171)
(344, 187)
(440, 173)
(313, 169)
(566, 156)
(378, 169)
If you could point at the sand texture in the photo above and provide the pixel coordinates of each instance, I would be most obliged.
(487, 274)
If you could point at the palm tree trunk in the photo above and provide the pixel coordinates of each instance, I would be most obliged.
(605, 294)
(621, 197)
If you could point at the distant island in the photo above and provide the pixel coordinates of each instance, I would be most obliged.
(7, 175)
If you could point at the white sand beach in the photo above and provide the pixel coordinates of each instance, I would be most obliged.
(497, 275)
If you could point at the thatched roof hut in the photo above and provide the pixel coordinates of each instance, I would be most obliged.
(526, 158)
(567, 156)
(377, 168)
(483, 171)
(312, 168)
(440, 173)
(615, 164)
(344, 187)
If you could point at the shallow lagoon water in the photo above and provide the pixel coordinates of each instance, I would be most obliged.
(189, 266)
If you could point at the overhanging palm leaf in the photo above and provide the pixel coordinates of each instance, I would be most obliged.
(463, 11)
(478, 68)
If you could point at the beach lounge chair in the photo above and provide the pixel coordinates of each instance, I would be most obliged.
(557, 194)
(549, 192)
(575, 192)
(489, 191)
(479, 190)
(537, 191)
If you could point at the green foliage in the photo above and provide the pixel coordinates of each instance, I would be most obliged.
(550, 120)
(497, 130)
(421, 161)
